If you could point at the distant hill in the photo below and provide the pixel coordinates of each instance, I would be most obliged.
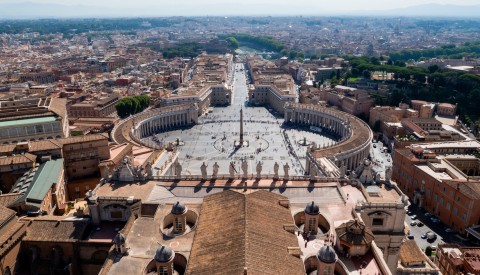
(434, 10)
(29, 10)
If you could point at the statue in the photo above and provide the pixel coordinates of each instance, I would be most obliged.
(106, 172)
(203, 169)
(232, 170)
(245, 168)
(259, 169)
(178, 169)
(285, 170)
(342, 171)
(275, 170)
(148, 170)
(215, 170)
(388, 173)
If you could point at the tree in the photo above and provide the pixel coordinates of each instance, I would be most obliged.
(433, 68)
(232, 42)
(367, 74)
(428, 251)
(132, 105)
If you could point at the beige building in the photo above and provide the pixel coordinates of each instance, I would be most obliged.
(101, 106)
(33, 119)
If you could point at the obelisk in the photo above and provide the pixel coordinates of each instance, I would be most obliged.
(241, 127)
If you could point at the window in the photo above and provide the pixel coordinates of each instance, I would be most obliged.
(448, 206)
(455, 211)
(311, 224)
(464, 217)
(377, 222)
(178, 224)
(435, 197)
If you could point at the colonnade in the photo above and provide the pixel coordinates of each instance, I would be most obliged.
(323, 120)
(352, 148)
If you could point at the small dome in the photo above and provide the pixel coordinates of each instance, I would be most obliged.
(119, 239)
(164, 254)
(327, 255)
(178, 208)
(312, 208)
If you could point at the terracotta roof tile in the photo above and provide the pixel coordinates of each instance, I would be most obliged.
(237, 231)
(411, 253)
(55, 230)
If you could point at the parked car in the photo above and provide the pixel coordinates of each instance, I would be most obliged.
(413, 223)
(449, 230)
(431, 236)
(424, 236)
(420, 224)
(413, 217)
(410, 236)
(434, 247)
(427, 214)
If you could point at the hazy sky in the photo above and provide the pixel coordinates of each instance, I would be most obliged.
(342, 5)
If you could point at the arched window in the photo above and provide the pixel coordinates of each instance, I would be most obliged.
(7, 271)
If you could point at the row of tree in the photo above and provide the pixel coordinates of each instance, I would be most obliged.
(131, 105)
(469, 49)
(431, 84)
(262, 42)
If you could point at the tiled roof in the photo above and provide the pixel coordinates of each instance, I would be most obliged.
(43, 145)
(36, 183)
(55, 231)
(78, 139)
(18, 159)
(5, 215)
(411, 253)
(355, 232)
(6, 199)
(239, 231)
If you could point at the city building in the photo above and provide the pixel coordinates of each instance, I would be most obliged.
(33, 119)
(42, 190)
(11, 234)
(455, 259)
(443, 179)
(97, 106)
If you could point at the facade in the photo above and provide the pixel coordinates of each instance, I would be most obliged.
(50, 246)
(272, 96)
(383, 213)
(11, 234)
(82, 155)
(33, 119)
(42, 189)
(95, 107)
(350, 100)
(436, 177)
(454, 259)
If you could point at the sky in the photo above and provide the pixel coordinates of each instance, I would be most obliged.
(343, 5)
